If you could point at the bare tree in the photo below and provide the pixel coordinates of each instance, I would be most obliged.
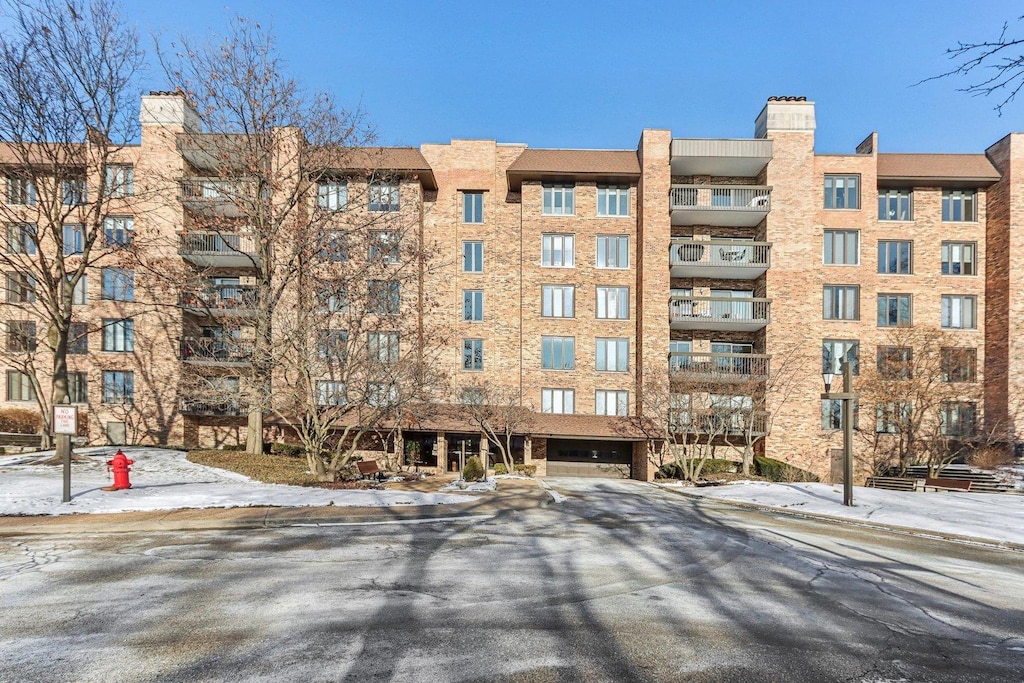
(499, 414)
(68, 110)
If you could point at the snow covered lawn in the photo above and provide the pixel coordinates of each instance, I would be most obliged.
(165, 480)
(998, 517)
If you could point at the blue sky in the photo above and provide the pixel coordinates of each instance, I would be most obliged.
(594, 74)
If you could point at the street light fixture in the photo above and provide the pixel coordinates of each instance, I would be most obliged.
(847, 397)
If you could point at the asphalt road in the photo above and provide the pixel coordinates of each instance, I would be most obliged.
(621, 582)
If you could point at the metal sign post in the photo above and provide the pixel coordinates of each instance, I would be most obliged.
(65, 425)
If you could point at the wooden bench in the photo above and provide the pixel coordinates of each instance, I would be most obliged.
(942, 484)
(369, 469)
(893, 483)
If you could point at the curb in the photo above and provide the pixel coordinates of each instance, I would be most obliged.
(893, 528)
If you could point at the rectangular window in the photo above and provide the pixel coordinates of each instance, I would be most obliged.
(611, 402)
(895, 257)
(557, 401)
(21, 336)
(892, 417)
(120, 180)
(611, 355)
(558, 353)
(558, 251)
(472, 257)
(21, 238)
(78, 387)
(472, 354)
(473, 396)
(558, 301)
(384, 196)
(384, 297)
(559, 200)
(842, 192)
(384, 246)
(896, 362)
(894, 310)
(612, 201)
(330, 393)
(612, 251)
(333, 297)
(118, 231)
(119, 335)
(959, 364)
(334, 246)
(895, 205)
(959, 312)
(118, 387)
(959, 206)
(613, 303)
(332, 195)
(842, 248)
(381, 394)
(74, 239)
(80, 295)
(832, 414)
(21, 288)
(472, 207)
(332, 346)
(78, 339)
(118, 284)
(834, 351)
(74, 192)
(841, 302)
(382, 347)
(473, 305)
(21, 191)
(959, 258)
(19, 387)
(958, 418)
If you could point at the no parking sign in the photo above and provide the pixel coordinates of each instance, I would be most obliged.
(65, 420)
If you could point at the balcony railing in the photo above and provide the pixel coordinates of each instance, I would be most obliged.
(716, 258)
(723, 423)
(214, 351)
(739, 205)
(214, 408)
(719, 313)
(718, 367)
(216, 195)
(221, 299)
(218, 249)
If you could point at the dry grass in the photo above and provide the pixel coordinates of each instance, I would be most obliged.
(270, 469)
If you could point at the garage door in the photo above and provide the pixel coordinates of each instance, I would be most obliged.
(578, 458)
(586, 469)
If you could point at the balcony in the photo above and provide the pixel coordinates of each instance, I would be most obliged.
(216, 196)
(723, 259)
(726, 424)
(732, 205)
(214, 408)
(221, 300)
(718, 313)
(695, 366)
(217, 250)
(734, 158)
(210, 351)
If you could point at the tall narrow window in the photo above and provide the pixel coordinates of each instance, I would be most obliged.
(472, 257)
(559, 200)
(472, 207)
(472, 354)
(472, 305)
(78, 387)
(78, 339)
(74, 239)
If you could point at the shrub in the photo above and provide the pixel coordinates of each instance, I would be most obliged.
(525, 470)
(991, 457)
(776, 470)
(499, 468)
(290, 450)
(474, 470)
(674, 470)
(20, 421)
(236, 447)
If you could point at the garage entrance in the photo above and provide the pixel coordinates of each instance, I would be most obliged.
(578, 458)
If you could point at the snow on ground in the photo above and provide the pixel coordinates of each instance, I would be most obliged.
(472, 487)
(165, 480)
(998, 517)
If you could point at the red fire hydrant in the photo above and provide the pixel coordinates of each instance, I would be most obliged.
(119, 466)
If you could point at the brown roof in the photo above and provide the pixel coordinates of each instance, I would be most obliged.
(956, 167)
(399, 159)
(577, 161)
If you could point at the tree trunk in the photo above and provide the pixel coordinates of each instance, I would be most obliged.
(254, 432)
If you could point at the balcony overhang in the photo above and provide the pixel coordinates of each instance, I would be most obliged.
(744, 158)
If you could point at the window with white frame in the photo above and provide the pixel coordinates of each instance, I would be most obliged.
(330, 393)
(332, 195)
(472, 257)
(473, 305)
(21, 191)
(118, 387)
(959, 206)
(119, 180)
(118, 230)
(21, 238)
(558, 301)
(80, 295)
(382, 347)
(895, 205)
(612, 201)
(959, 258)
(612, 303)
(835, 351)
(611, 354)
(384, 246)
(894, 310)
(558, 353)
(842, 191)
(472, 354)
(841, 302)
(74, 239)
(959, 312)
(613, 251)
(78, 387)
(558, 401)
(842, 248)
(958, 418)
(384, 196)
(895, 257)
(611, 402)
(472, 207)
(892, 417)
(19, 386)
(118, 284)
(559, 200)
(558, 251)
(119, 335)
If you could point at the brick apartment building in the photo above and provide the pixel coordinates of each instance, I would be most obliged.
(579, 279)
